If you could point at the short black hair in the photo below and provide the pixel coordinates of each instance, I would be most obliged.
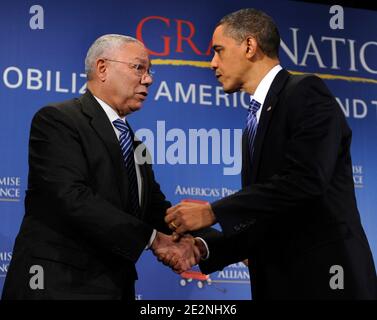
(251, 22)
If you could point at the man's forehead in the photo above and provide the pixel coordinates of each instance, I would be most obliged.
(133, 47)
(219, 36)
(136, 51)
(219, 31)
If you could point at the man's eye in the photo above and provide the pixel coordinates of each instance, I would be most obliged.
(138, 67)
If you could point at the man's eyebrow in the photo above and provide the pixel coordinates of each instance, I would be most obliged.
(145, 62)
(141, 60)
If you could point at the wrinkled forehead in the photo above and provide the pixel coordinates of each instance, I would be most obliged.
(134, 51)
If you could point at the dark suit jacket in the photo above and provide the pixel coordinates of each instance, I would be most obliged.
(296, 213)
(77, 224)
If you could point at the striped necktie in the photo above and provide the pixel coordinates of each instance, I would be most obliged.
(126, 145)
(252, 124)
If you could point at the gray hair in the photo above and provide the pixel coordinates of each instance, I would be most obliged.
(101, 47)
(251, 22)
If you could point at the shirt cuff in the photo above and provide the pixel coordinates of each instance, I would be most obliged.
(205, 244)
(151, 239)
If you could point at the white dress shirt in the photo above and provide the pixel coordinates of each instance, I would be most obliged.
(263, 87)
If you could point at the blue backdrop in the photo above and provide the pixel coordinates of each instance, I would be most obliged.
(47, 65)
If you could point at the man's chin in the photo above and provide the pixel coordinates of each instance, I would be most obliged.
(229, 90)
(136, 107)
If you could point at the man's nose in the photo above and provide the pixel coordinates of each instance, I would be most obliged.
(147, 79)
(214, 63)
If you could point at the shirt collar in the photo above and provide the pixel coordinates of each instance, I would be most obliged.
(263, 87)
(110, 112)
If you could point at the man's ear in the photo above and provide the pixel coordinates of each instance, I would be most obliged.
(101, 69)
(251, 47)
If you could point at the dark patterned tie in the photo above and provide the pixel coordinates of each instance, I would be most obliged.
(252, 124)
(126, 145)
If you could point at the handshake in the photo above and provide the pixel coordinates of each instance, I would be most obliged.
(181, 251)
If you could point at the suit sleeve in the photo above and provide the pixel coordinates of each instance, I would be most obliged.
(59, 170)
(159, 205)
(309, 161)
(224, 250)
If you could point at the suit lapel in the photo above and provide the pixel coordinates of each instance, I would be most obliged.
(102, 126)
(143, 172)
(270, 104)
(246, 168)
(144, 189)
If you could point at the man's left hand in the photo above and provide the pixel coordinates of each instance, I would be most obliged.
(189, 216)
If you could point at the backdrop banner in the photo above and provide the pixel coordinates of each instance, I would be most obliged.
(191, 127)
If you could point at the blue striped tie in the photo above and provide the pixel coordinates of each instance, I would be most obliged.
(126, 145)
(252, 124)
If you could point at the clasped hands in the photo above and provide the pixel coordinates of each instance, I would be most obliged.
(181, 251)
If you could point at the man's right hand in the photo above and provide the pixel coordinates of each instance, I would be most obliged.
(179, 255)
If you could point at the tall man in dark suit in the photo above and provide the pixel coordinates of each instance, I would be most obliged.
(92, 205)
(295, 218)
